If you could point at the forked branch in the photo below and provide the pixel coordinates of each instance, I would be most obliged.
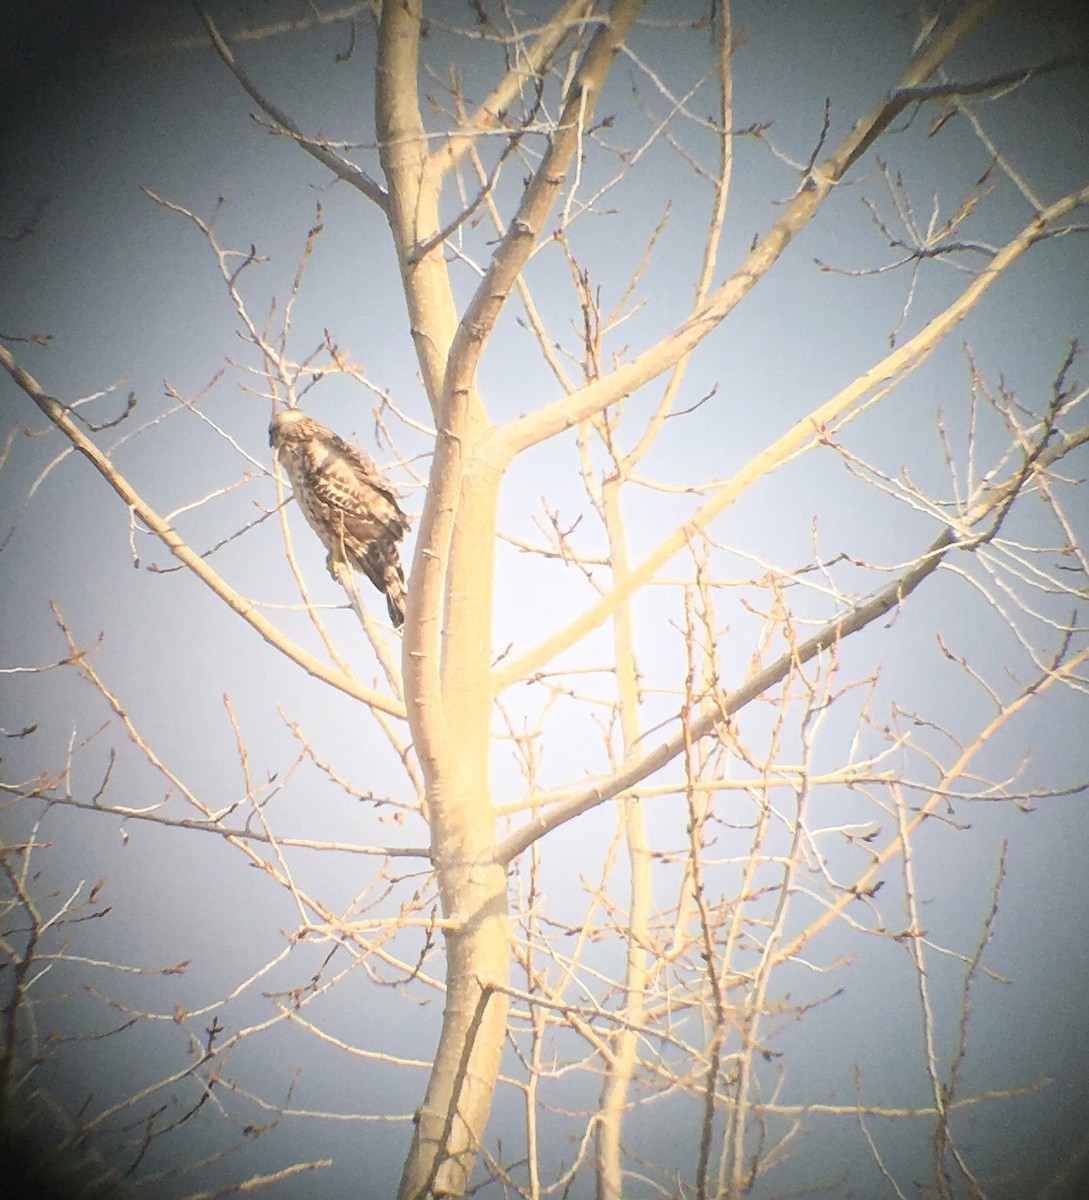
(880, 379)
(835, 631)
(567, 412)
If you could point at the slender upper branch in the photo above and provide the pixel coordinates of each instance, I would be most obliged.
(530, 62)
(568, 411)
(209, 825)
(638, 768)
(716, 223)
(995, 500)
(58, 414)
(892, 367)
(340, 166)
(538, 199)
(938, 791)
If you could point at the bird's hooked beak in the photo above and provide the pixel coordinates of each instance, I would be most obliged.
(285, 426)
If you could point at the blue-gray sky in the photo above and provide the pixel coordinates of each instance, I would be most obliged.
(129, 297)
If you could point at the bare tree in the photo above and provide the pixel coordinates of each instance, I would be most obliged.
(769, 780)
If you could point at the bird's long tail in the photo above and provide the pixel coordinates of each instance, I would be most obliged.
(395, 594)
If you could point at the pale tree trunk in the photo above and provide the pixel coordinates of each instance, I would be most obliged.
(453, 748)
(448, 688)
(446, 659)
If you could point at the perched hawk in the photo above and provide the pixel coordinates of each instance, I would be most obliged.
(346, 500)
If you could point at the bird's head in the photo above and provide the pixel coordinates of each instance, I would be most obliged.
(285, 426)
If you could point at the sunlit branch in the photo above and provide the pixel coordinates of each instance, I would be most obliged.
(538, 200)
(57, 413)
(694, 893)
(341, 167)
(621, 1063)
(883, 376)
(973, 967)
(996, 85)
(842, 627)
(725, 115)
(1063, 673)
(254, 1182)
(28, 792)
(916, 950)
(529, 61)
(565, 413)
(486, 188)
(424, 607)
(282, 499)
(414, 189)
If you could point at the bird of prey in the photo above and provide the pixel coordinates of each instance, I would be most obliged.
(346, 500)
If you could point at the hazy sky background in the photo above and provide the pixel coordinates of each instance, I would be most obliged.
(130, 298)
